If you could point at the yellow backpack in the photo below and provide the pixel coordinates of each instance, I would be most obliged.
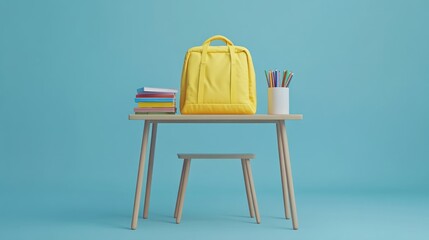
(218, 80)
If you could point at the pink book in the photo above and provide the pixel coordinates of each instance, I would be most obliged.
(155, 95)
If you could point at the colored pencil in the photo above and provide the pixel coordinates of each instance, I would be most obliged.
(284, 78)
(289, 80)
(266, 77)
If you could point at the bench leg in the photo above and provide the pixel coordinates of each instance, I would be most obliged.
(252, 190)
(187, 164)
(149, 172)
(283, 174)
(180, 190)
(248, 192)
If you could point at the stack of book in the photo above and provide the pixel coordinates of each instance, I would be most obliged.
(155, 101)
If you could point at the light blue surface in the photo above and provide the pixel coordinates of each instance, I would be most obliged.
(68, 155)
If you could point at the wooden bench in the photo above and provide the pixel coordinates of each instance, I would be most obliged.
(247, 173)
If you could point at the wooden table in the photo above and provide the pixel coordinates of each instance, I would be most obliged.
(283, 149)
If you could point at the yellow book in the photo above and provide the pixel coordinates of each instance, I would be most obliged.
(155, 104)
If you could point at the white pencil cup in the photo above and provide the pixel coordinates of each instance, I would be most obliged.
(278, 100)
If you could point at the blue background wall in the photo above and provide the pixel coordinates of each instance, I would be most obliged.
(69, 71)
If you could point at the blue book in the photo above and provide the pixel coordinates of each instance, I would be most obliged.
(154, 100)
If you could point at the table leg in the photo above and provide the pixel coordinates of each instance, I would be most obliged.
(149, 171)
(283, 173)
(289, 174)
(140, 175)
